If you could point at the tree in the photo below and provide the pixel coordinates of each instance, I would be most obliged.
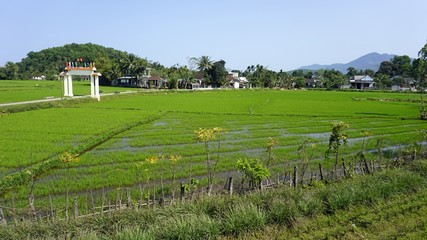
(337, 138)
(217, 73)
(2, 73)
(386, 68)
(204, 63)
(401, 66)
(351, 71)
(369, 72)
(334, 79)
(11, 70)
(422, 79)
(382, 81)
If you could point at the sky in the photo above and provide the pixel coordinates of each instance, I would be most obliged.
(279, 34)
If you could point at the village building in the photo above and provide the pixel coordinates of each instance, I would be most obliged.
(361, 82)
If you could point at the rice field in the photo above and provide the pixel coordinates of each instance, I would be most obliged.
(27, 90)
(250, 118)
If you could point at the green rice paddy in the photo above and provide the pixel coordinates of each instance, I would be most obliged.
(250, 117)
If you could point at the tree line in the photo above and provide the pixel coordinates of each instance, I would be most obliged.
(113, 64)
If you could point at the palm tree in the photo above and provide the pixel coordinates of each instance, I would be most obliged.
(127, 63)
(204, 63)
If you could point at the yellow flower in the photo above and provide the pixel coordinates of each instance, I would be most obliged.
(152, 160)
(175, 158)
(67, 157)
(204, 135)
(366, 133)
(271, 142)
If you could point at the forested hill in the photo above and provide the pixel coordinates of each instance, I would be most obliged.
(50, 62)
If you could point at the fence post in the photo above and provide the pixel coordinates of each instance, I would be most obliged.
(102, 200)
(344, 169)
(321, 171)
(230, 185)
(182, 188)
(2, 219)
(92, 200)
(31, 204)
(76, 208)
(13, 207)
(295, 178)
(129, 198)
(51, 206)
(118, 199)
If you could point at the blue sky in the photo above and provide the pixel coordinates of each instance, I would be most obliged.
(279, 34)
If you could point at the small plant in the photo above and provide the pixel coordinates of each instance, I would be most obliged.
(206, 136)
(253, 170)
(305, 156)
(337, 139)
(361, 154)
(174, 160)
(68, 158)
(152, 160)
(270, 144)
(379, 145)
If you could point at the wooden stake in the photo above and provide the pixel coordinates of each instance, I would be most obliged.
(129, 205)
(295, 179)
(321, 171)
(230, 185)
(182, 187)
(51, 206)
(344, 169)
(31, 205)
(76, 208)
(2, 219)
(92, 200)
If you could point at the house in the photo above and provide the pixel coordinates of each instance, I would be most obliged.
(42, 77)
(361, 82)
(140, 81)
(403, 84)
(156, 82)
(312, 82)
(235, 81)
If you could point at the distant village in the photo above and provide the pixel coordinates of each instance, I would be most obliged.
(234, 81)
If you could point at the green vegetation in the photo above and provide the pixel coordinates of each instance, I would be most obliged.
(386, 204)
(400, 71)
(26, 90)
(251, 118)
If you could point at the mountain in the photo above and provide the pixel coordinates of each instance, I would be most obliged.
(368, 61)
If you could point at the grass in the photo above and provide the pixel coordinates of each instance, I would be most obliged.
(387, 204)
(250, 117)
(26, 90)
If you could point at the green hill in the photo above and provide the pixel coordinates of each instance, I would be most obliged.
(50, 62)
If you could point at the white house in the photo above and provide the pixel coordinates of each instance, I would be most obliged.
(362, 82)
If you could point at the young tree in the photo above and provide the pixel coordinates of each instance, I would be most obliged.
(337, 139)
(253, 170)
(206, 136)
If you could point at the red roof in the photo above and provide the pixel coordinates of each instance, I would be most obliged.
(154, 78)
